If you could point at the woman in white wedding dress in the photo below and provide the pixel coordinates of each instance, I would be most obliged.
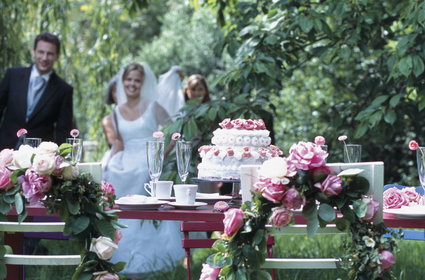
(146, 246)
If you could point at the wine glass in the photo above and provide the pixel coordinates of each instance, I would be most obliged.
(183, 155)
(155, 158)
(420, 158)
(76, 149)
(33, 142)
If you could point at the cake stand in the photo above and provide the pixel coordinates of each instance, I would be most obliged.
(236, 200)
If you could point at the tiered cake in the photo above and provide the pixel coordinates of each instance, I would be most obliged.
(237, 142)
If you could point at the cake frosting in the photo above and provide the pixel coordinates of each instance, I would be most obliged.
(237, 142)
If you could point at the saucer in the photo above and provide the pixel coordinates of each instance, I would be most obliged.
(187, 207)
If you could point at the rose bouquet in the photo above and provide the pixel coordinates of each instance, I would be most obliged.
(45, 176)
(302, 181)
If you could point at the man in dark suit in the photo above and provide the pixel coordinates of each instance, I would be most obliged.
(36, 98)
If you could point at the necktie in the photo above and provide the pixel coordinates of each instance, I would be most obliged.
(39, 83)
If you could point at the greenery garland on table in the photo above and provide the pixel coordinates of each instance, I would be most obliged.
(45, 175)
(302, 180)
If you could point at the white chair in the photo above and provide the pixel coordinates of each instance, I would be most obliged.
(373, 172)
(17, 259)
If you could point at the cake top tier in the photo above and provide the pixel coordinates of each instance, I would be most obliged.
(243, 124)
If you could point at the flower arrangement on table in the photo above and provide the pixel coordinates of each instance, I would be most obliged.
(45, 176)
(302, 180)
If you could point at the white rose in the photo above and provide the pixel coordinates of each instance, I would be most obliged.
(22, 157)
(70, 172)
(44, 163)
(274, 168)
(103, 247)
(47, 148)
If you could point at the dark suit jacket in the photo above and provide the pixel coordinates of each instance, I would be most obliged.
(51, 119)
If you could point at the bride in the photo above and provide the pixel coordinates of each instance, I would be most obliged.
(146, 247)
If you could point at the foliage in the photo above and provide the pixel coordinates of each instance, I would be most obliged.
(333, 67)
(45, 175)
(302, 179)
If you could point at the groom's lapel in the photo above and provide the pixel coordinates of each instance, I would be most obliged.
(22, 91)
(47, 95)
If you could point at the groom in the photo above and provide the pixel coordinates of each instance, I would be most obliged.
(36, 98)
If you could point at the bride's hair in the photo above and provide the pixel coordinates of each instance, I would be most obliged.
(132, 67)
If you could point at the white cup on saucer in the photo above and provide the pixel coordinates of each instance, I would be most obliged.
(185, 194)
(162, 190)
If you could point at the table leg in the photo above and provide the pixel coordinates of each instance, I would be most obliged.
(14, 240)
(236, 197)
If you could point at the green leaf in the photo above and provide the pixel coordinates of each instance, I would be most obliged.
(405, 65)
(212, 113)
(418, 65)
(379, 100)
(310, 210)
(80, 224)
(65, 149)
(119, 266)
(258, 237)
(359, 208)
(19, 204)
(395, 100)
(3, 270)
(342, 224)
(326, 212)
(390, 117)
(23, 215)
(312, 226)
(105, 228)
(305, 23)
(73, 207)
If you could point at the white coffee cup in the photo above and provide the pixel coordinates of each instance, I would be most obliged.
(185, 194)
(162, 190)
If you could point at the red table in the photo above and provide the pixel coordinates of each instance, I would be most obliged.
(204, 214)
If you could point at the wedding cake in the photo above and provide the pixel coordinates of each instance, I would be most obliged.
(238, 142)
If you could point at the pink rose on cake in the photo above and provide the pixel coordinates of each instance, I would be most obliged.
(238, 123)
(226, 124)
(394, 198)
(230, 152)
(246, 152)
(249, 125)
(260, 124)
(411, 193)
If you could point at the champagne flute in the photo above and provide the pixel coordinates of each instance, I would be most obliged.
(183, 155)
(155, 158)
(76, 149)
(420, 158)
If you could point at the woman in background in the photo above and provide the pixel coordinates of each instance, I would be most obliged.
(196, 88)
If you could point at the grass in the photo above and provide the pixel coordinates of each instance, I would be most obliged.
(409, 259)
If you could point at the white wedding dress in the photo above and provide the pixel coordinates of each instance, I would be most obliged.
(144, 248)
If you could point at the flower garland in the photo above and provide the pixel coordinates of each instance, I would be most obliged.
(44, 175)
(286, 184)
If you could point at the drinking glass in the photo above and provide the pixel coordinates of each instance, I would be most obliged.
(76, 149)
(33, 142)
(352, 153)
(155, 158)
(183, 155)
(420, 158)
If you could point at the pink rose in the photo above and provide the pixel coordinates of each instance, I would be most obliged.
(249, 125)
(322, 170)
(413, 145)
(274, 192)
(238, 123)
(342, 138)
(107, 276)
(275, 151)
(260, 124)
(233, 221)
(221, 206)
(319, 140)
(387, 260)
(5, 182)
(34, 185)
(226, 123)
(209, 273)
(411, 193)
(21, 132)
(332, 185)
(307, 155)
(293, 199)
(175, 136)
(118, 236)
(6, 157)
(371, 210)
(158, 134)
(107, 188)
(395, 198)
(58, 168)
(74, 133)
(230, 152)
(281, 216)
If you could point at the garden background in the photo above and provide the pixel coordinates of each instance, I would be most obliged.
(326, 67)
